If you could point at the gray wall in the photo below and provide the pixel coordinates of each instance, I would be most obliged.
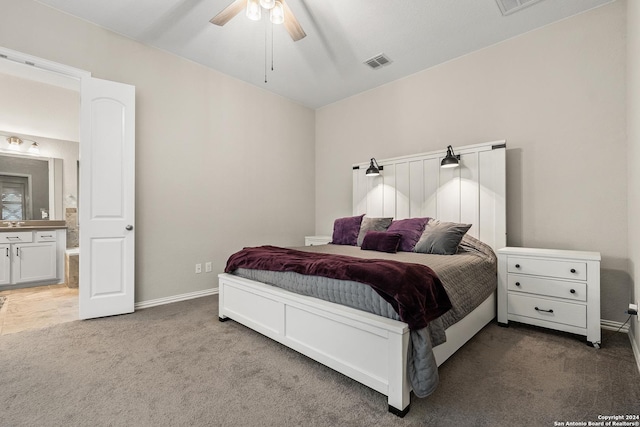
(199, 133)
(557, 95)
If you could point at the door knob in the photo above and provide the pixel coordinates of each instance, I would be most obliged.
(129, 227)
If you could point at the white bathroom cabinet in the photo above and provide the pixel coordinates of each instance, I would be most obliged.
(35, 256)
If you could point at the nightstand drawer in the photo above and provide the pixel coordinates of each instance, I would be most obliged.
(548, 287)
(542, 267)
(548, 310)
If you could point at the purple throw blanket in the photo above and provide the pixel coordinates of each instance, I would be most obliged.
(413, 290)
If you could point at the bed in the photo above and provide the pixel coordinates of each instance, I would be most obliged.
(370, 348)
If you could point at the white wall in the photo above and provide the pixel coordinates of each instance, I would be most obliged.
(33, 108)
(199, 137)
(557, 95)
(633, 155)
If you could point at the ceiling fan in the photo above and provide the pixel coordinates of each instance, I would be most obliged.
(279, 11)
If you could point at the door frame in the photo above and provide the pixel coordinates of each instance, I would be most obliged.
(65, 70)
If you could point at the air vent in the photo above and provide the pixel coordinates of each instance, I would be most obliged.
(507, 7)
(378, 61)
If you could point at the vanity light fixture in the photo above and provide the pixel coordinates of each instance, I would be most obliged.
(15, 142)
(451, 160)
(374, 169)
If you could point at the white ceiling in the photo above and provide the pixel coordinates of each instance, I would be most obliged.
(327, 65)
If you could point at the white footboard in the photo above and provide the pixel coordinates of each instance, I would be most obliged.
(367, 348)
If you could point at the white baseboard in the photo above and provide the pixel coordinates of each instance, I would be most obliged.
(175, 298)
(636, 349)
(614, 326)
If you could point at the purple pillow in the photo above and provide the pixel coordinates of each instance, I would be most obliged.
(411, 229)
(345, 230)
(381, 241)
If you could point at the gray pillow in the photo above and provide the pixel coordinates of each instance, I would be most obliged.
(441, 238)
(372, 224)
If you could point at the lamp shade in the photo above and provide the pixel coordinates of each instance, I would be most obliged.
(450, 160)
(14, 140)
(374, 169)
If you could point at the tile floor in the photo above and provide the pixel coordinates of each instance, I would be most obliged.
(33, 308)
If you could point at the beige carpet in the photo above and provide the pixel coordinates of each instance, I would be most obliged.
(177, 365)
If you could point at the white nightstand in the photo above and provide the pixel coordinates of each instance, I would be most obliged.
(316, 240)
(550, 288)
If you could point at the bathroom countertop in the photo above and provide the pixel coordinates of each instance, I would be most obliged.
(32, 227)
(52, 224)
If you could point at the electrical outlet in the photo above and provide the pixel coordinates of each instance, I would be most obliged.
(208, 267)
(633, 310)
(198, 268)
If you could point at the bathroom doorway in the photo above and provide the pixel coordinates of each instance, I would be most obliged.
(107, 143)
(44, 115)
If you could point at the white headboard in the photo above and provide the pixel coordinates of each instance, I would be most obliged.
(416, 186)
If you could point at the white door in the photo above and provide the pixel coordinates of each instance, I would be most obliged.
(106, 201)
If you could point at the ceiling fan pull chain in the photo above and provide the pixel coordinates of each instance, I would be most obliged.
(265, 54)
(272, 46)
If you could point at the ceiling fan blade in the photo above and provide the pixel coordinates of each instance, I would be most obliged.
(291, 24)
(229, 12)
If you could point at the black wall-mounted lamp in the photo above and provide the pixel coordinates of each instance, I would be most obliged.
(451, 160)
(374, 169)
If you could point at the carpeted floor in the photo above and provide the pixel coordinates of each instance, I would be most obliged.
(177, 365)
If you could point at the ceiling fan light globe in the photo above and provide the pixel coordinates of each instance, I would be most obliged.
(277, 13)
(254, 11)
(268, 4)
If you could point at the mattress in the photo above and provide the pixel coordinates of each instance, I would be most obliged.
(468, 277)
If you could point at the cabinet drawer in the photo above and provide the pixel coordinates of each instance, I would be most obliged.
(16, 237)
(556, 311)
(549, 268)
(548, 287)
(45, 236)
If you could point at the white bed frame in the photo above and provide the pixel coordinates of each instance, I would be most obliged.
(368, 348)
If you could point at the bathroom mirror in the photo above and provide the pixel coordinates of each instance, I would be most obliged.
(30, 188)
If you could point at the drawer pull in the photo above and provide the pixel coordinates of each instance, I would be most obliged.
(13, 238)
(517, 283)
(546, 311)
(7, 252)
(47, 235)
(573, 291)
(517, 265)
(573, 270)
